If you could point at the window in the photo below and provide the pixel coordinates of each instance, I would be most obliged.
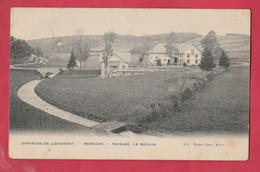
(123, 66)
(196, 55)
(188, 61)
(188, 55)
(196, 61)
(192, 51)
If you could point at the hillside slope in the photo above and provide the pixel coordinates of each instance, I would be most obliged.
(123, 43)
(236, 46)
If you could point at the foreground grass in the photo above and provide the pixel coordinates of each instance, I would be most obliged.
(122, 99)
(221, 107)
(23, 117)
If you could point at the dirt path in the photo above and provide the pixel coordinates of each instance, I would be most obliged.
(27, 94)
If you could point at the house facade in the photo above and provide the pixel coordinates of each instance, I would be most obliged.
(118, 61)
(190, 54)
(159, 53)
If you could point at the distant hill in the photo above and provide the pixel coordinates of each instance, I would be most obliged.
(58, 48)
(123, 43)
(237, 46)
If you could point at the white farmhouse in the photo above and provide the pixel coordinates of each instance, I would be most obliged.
(187, 53)
(159, 53)
(118, 61)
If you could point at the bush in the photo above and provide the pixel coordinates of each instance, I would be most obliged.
(135, 128)
(209, 76)
(200, 84)
(192, 76)
(158, 62)
(187, 93)
(174, 100)
(196, 86)
(48, 74)
(184, 64)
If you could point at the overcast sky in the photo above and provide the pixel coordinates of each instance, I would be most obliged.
(35, 23)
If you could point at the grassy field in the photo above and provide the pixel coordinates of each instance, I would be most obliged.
(223, 106)
(23, 117)
(242, 56)
(123, 98)
(61, 63)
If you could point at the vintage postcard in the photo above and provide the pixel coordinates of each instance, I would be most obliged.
(157, 84)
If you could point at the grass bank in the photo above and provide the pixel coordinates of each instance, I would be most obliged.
(221, 107)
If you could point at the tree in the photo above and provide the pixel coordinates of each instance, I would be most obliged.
(80, 46)
(224, 60)
(141, 60)
(72, 61)
(218, 52)
(210, 42)
(158, 62)
(144, 50)
(19, 48)
(207, 61)
(109, 39)
(170, 47)
(38, 51)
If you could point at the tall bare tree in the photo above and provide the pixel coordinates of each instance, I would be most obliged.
(170, 46)
(144, 50)
(109, 39)
(210, 42)
(80, 46)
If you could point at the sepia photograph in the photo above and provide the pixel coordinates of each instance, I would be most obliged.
(99, 83)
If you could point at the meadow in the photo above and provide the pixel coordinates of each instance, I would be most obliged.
(122, 98)
(221, 106)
